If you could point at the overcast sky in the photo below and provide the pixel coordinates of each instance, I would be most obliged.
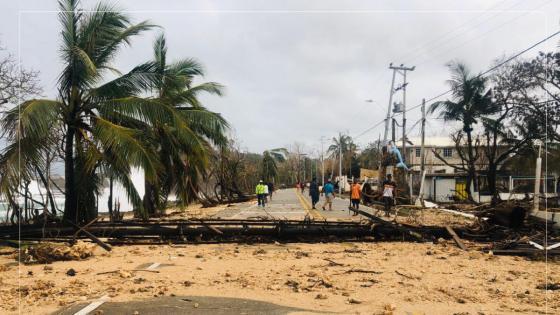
(299, 70)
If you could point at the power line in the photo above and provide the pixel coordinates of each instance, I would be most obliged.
(485, 33)
(442, 39)
(492, 68)
(480, 75)
(369, 129)
(459, 27)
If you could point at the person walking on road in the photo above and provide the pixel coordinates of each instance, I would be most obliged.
(328, 190)
(259, 190)
(356, 195)
(314, 192)
(389, 193)
(265, 193)
(270, 189)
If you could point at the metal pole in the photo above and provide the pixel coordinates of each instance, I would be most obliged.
(339, 167)
(322, 162)
(422, 165)
(537, 193)
(420, 199)
(404, 119)
(386, 133)
(393, 131)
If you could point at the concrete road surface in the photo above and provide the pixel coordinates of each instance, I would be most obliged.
(293, 205)
(200, 305)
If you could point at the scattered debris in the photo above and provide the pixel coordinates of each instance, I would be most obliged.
(259, 251)
(549, 286)
(363, 271)
(49, 252)
(301, 254)
(456, 238)
(321, 296)
(407, 276)
(333, 263)
(294, 285)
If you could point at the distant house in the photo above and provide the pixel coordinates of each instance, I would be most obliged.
(443, 183)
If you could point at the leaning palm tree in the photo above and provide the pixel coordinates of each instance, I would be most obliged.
(99, 121)
(269, 171)
(471, 100)
(182, 149)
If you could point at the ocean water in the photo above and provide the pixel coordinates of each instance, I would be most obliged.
(119, 194)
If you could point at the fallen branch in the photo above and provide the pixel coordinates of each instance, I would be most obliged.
(333, 263)
(116, 271)
(363, 271)
(406, 276)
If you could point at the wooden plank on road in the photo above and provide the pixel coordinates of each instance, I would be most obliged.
(456, 238)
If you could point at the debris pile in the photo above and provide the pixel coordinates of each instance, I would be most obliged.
(49, 252)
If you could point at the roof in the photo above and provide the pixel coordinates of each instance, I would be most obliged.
(433, 142)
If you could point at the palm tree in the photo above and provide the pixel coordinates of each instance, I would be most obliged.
(471, 101)
(343, 144)
(183, 148)
(99, 122)
(269, 163)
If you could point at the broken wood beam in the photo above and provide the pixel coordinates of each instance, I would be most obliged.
(91, 236)
(211, 228)
(456, 238)
(85, 227)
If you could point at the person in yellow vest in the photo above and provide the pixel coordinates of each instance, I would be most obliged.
(260, 192)
(356, 195)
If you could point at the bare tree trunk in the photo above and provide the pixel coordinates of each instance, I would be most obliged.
(70, 202)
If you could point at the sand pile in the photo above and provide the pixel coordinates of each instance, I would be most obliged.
(49, 252)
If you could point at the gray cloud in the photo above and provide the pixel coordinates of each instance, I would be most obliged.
(296, 71)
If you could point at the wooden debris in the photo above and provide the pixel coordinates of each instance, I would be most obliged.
(406, 276)
(456, 238)
(333, 263)
(117, 271)
(91, 236)
(357, 270)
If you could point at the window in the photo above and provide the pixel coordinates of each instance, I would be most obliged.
(447, 152)
(417, 152)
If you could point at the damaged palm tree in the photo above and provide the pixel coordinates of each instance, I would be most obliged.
(184, 145)
(89, 112)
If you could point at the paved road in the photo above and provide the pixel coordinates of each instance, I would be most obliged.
(199, 305)
(290, 204)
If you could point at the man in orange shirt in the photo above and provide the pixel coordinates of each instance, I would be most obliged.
(356, 195)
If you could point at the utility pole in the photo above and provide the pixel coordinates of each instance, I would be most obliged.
(422, 165)
(401, 70)
(537, 193)
(393, 130)
(322, 162)
(339, 168)
(420, 200)
(404, 118)
(388, 118)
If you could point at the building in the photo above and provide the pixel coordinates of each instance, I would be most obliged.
(443, 183)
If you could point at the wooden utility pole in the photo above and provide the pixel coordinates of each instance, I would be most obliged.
(420, 200)
(422, 165)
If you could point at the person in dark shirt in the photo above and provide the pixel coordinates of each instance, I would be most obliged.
(389, 193)
(314, 192)
(270, 190)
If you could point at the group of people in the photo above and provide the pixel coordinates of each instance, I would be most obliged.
(389, 194)
(264, 192)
